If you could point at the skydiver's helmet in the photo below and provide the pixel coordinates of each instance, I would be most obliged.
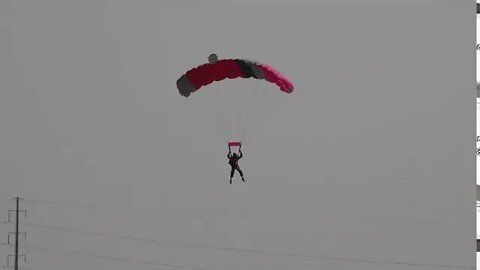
(234, 155)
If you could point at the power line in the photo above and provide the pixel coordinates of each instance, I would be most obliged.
(251, 251)
(72, 203)
(96, 233)
(113, 258)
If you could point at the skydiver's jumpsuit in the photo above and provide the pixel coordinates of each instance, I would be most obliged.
(233, 161)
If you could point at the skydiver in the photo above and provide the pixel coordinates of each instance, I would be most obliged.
(233, 161)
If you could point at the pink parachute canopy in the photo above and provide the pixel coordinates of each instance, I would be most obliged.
(218, 70)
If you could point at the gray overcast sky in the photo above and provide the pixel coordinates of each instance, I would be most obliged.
(89, 115)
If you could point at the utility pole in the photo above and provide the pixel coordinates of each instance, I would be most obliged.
(16, 233)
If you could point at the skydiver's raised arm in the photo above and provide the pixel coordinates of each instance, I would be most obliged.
(229, 155)
(240, 152)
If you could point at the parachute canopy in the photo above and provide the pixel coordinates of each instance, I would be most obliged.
(218, 70)
(233, 104)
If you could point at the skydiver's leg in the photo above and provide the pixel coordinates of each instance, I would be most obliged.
(241, 173)
(231, 174)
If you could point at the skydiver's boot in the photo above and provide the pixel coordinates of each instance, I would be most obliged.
(230, 181)
(243, 179)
